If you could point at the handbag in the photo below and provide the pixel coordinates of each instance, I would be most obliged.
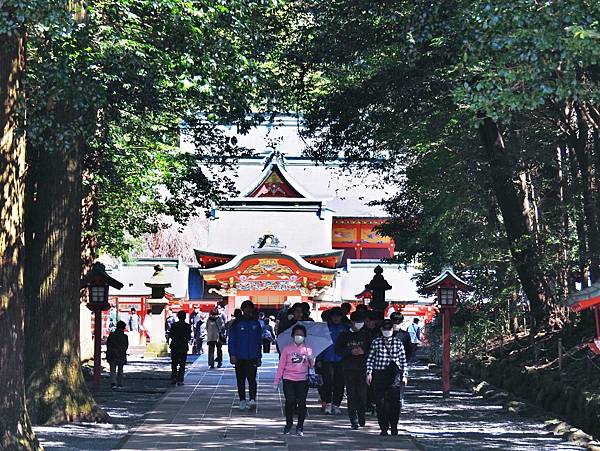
(393, 370)
(314, 380)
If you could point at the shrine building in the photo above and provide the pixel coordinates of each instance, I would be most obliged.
(301, 232)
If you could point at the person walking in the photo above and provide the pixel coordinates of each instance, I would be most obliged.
(169, 321)
(403, 335)
(415, 338)
(374, 332)
(295, 314)
(181, 333)
(282, 316)
(268, 336)
(116, 354)
(296, 359)
(353, 346)
(387, 371)
(245, 345)
(134, 326)
(332, 390)
(215, 332)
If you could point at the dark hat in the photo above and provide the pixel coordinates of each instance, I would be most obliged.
(357, 317)
(336, 311)
(397, 317)
(247, 303)
(387, 324)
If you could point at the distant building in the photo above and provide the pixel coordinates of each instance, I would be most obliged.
(297, 230)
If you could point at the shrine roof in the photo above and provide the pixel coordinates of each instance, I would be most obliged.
(215, 258)
(446, 274)
(267, 253)
(275, 182)
(586, 298)
(135, 274)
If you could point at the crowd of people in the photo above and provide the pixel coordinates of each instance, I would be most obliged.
(367, 360)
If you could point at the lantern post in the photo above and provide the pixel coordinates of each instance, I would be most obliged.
(446, 287)
(98, 283)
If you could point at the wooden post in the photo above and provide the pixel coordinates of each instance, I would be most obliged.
(446, 314)
(560, 354)
(97, 347)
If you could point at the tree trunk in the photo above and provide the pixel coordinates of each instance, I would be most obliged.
(580, 143)
(512, 203)
(56, 390)
(15, 427)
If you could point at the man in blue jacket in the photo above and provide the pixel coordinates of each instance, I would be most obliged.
(332, 391)
(245, 346)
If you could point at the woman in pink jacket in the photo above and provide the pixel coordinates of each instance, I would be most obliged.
(296, 359)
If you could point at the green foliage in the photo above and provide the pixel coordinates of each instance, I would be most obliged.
(401, 87)
(132, 74)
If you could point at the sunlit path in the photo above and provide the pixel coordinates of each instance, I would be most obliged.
(203, 414)
(467, 422)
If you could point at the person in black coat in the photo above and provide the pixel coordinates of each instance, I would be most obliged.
(353, 346)
(116, 354)
(403, 335)
(181, 333)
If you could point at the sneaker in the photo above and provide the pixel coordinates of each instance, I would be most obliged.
(354, 426)
(300, 432)
(328, 409)
(336, 410)
(120, 386)
(113, 385)
(219, 365)
(383, 433)
(252, 404)
(394, 431)
(243, 405)
(286, 430)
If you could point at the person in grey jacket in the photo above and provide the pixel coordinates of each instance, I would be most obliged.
(215, 335)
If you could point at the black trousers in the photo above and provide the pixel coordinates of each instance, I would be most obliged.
(332, 390)
(266, 346)
(295, 393)
(356, 391)
(387, 399)
(178, 360)
(246, 370)
(211, 352)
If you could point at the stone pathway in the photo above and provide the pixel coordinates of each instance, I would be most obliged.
(203, 414)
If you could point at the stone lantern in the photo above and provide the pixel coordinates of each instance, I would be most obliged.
(378, 286)
(157, 302)
(98, 282)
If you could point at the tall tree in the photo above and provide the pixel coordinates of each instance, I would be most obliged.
(15, 427)
(111, 84)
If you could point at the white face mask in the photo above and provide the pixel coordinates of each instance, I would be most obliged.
(358, 326)
(396, 327)
(298, 339)
(387, 333)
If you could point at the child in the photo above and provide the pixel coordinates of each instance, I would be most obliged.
(296, 359)
(116, 354)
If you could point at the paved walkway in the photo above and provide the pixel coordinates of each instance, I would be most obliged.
(203, 414)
